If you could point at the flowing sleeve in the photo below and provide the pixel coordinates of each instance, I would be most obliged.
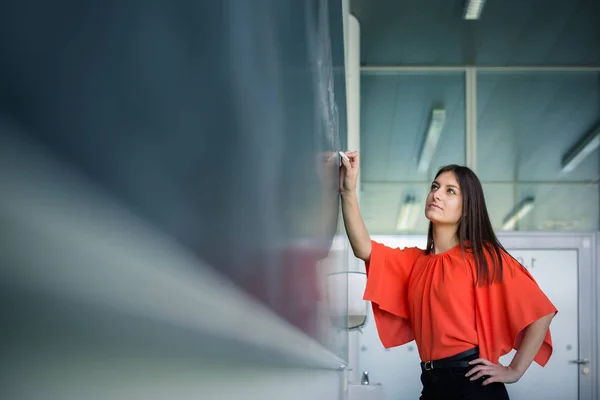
(388, 271)
(504, 309)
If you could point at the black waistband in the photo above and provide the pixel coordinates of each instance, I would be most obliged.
(455, 361)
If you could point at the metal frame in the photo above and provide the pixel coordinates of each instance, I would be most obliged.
(485, 68)
(470, 72)
(588, 279)
(471, 104)
(596, 320)
(422, 182)
(471, 117)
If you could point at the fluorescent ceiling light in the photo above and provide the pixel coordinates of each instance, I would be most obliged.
(581, 150)
(436, 124)
(473, 9)
(409, 211)
(521, 210)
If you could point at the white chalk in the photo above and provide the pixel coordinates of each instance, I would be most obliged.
(344, 156)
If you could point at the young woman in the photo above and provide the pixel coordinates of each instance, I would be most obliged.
(464, 299)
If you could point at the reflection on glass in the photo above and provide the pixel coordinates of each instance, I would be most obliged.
(417, 117)
(531, 128)
(417, 126)
(528, 121)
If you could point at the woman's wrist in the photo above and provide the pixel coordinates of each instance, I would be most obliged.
(348, 194)
(516, 370)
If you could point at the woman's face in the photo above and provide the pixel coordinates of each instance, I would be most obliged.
(444, 201)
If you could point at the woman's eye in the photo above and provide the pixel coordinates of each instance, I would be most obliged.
(433, 187)
(451, 191)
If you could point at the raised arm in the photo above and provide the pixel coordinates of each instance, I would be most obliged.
(355, 227)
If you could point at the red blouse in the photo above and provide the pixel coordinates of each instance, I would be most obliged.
(434, 299)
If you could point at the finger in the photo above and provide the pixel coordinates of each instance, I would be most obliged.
(490, 380)
(346, 163)
(475, 377)
(478, 375)
(353, 155)
(476, 369)
(481, 361)
(482, 373)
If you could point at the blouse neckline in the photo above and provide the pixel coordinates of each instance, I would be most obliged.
(449, 251)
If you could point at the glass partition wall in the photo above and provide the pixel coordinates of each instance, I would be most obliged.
(531, 135)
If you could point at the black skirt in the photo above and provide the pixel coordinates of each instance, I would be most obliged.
(445, 379)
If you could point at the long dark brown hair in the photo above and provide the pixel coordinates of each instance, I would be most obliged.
(475, 230)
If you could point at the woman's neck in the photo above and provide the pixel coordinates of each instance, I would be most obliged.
(445, 237)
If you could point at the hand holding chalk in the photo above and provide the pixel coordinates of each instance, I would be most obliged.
(349, 172)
